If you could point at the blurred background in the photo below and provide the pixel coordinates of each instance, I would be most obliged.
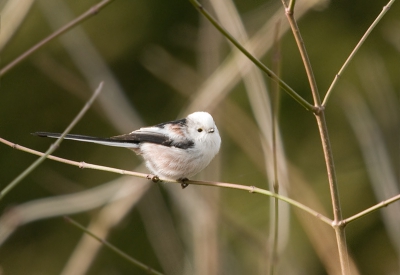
(161, 60)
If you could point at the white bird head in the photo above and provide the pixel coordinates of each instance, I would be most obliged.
(202, 128)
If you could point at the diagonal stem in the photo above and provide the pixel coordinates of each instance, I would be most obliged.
(90, 12)
(250, 189)
(355, 50)
(305, 58)
(257, 62)
(53, 147)
(371, 209)
(113, 248)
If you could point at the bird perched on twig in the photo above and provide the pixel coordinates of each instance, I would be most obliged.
(174, 150)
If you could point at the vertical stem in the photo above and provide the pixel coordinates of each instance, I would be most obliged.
(326, 145)
(276, 62)
(274, 237)
(337, 211)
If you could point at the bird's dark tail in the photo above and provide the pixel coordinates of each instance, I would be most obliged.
(97, 140)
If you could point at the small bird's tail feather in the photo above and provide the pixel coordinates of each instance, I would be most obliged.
(97, 140)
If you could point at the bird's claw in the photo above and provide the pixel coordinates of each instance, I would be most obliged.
(153, 178)
(184, 183)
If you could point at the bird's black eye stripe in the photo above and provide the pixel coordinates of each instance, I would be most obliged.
(199, 130)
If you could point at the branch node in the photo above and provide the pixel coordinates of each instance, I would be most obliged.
(94, 10)
(384, 203)
(82, 164)
(339, 224)
(253, 188)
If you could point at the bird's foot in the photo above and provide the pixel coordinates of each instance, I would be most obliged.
(183, 182)
(153, 178)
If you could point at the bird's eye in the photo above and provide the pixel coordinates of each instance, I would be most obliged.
(211, 130)
(199, 130)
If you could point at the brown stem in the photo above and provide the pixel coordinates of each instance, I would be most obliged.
(326, 146)
(250, 189)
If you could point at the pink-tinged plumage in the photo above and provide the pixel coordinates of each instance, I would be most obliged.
(173, 150)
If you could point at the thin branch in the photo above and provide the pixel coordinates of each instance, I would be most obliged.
(137, 263)
(90, 12)
(257, 62)
(353, 53)
(326, 146)
(291, 5)
(304, 56)
(53, 147)
(251, 189)
(371, 209)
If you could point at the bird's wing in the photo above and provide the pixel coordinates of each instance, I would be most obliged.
(131, 140)
(138, 137)
(155, 135)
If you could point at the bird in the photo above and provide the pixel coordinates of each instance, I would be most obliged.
(174, 150)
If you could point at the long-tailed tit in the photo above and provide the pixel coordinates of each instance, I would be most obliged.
(173, 150)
